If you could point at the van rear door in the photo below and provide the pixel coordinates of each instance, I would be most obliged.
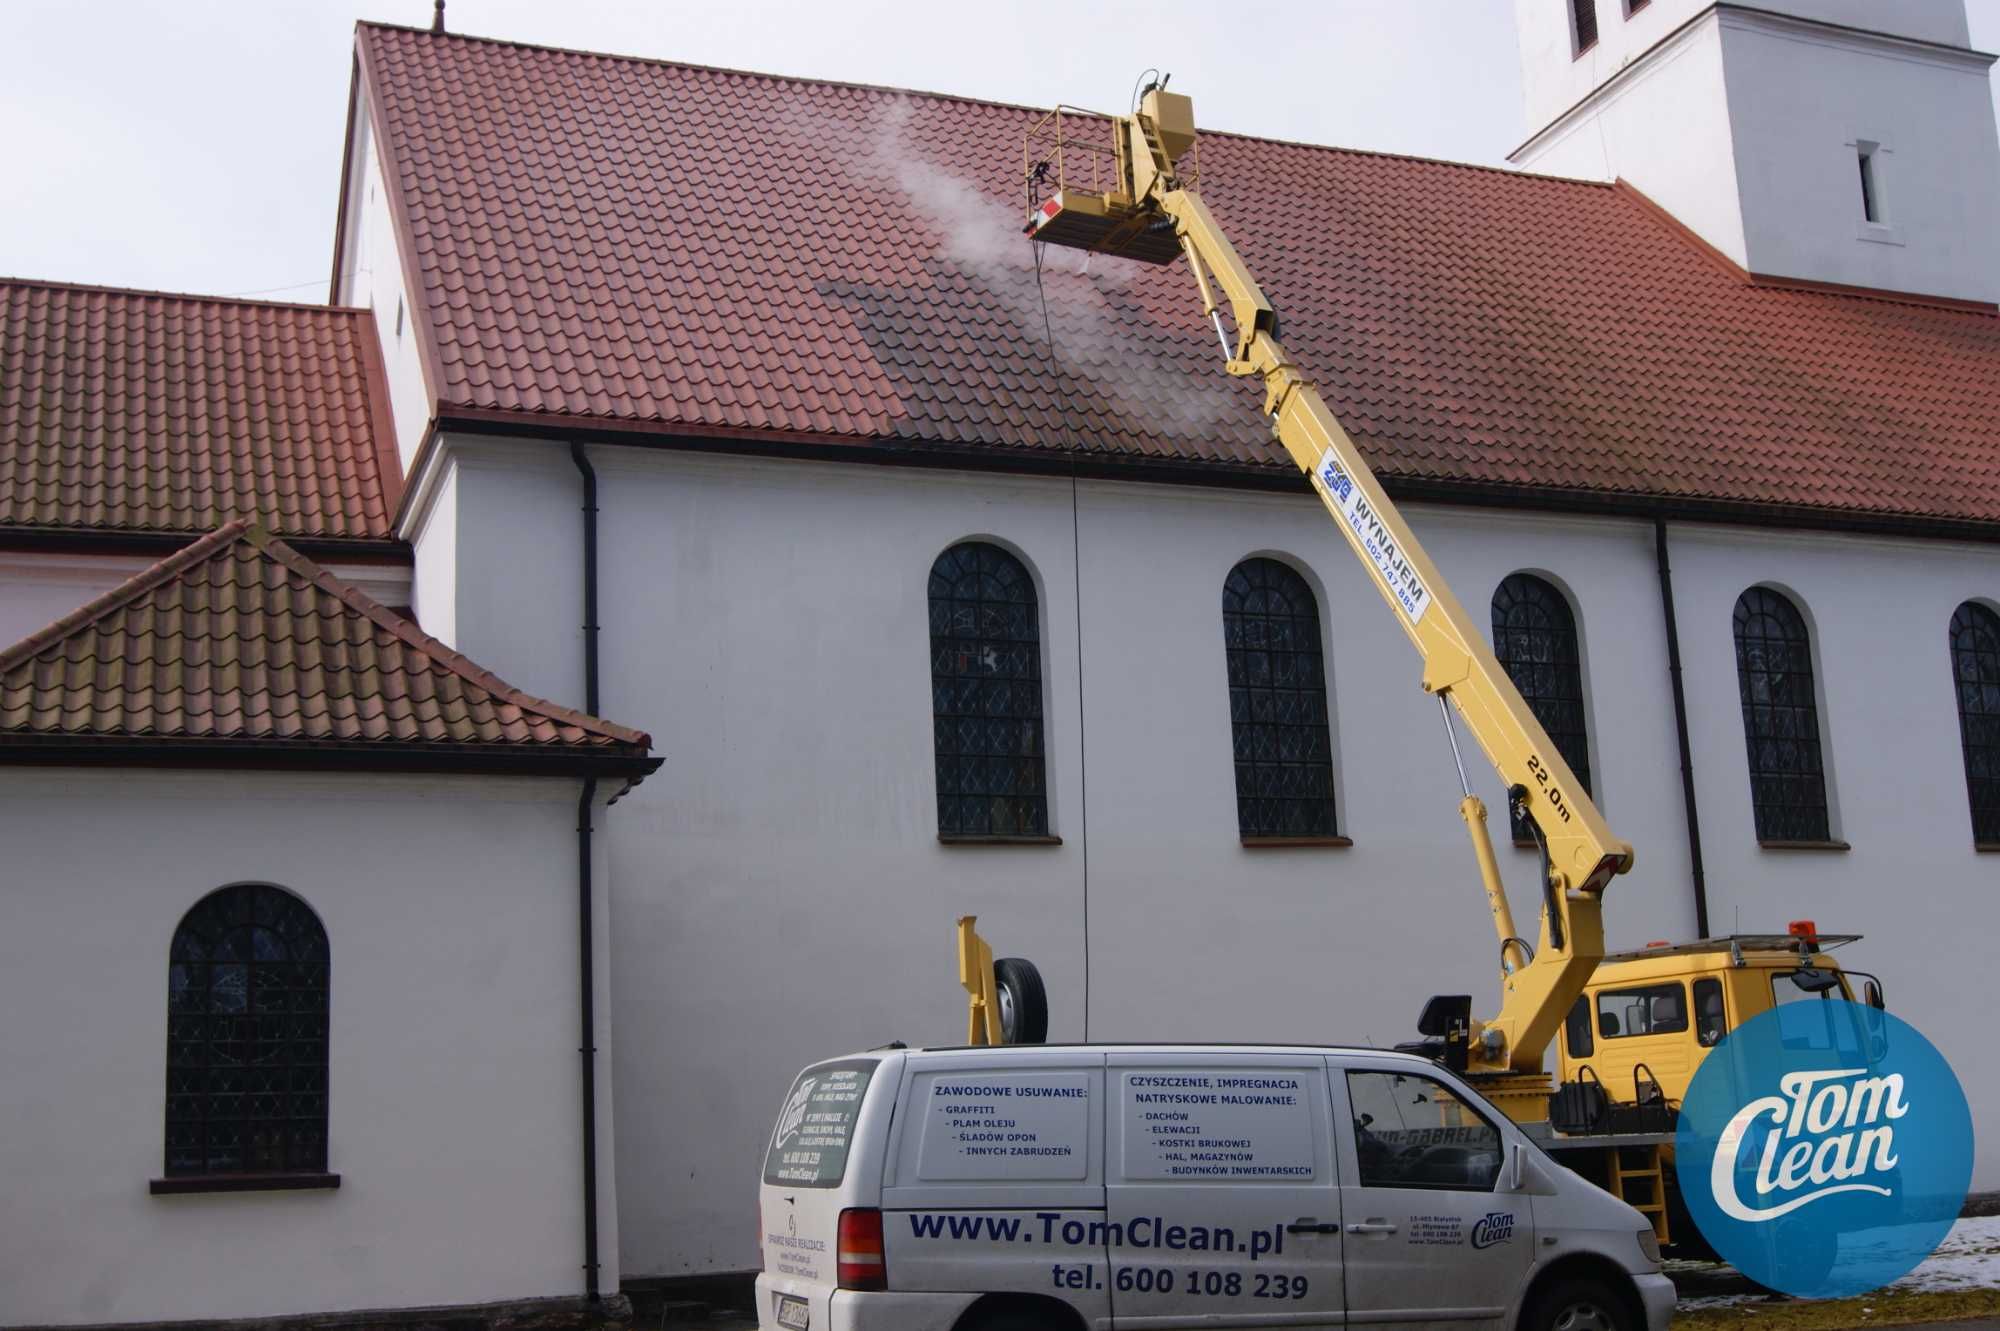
(821, 1161)
(1220, 1191)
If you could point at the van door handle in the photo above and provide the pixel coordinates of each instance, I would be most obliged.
(1371, 1227)
(1305, 1224)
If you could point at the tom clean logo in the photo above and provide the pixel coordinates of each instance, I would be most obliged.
(794, 1116)
(1817, 1161)
(1824, 1148)
(1492, 1228)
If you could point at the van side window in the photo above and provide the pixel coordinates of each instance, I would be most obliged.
(1657, 1009)
(1576, 1029)
(1413, 1132)
(1711, 1023)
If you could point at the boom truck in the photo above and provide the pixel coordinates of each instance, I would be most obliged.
(1635, 1025)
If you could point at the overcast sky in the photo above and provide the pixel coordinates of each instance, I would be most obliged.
(194, 145)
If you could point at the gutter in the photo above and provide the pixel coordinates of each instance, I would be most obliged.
(1681, 728)
(586, 938)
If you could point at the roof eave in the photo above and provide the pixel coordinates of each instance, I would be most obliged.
(365, 756)
(1271, 477)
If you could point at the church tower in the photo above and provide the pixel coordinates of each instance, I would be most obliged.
(1843, 141)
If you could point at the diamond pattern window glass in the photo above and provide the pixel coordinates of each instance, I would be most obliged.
(1975, 670)
(986, 695)
(246, 1036)
(1774, 675)
(1277, 703)
(1534, 635)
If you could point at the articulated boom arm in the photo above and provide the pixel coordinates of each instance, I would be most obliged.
(1582, 855)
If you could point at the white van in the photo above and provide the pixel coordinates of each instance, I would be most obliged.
(1050, 1187)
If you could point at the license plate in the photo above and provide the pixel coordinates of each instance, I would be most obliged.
(793, 1312)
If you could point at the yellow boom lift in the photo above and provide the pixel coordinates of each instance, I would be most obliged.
(1125, 185)
(1144, 208)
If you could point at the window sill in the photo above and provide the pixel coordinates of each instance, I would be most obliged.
(1294, 842)
(1986, 847)
(966, 839)
(1804, 845)
(162, 1187)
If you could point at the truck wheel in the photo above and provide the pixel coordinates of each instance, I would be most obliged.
(1024, 1003)
(1578, 1304)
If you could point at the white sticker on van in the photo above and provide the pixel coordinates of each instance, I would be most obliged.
(1004, 1125)
(1218, 1124)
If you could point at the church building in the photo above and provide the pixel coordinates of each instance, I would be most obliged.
(924, 576)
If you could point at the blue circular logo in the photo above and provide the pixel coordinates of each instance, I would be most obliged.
(1824, 1148)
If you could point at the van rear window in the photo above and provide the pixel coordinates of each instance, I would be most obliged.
(809, 1149)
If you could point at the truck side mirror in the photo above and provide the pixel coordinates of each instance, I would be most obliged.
(1873, 992)
(1516, 1153)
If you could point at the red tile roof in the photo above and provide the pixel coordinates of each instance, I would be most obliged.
(635, 244)
(131, 411)
(238, 645)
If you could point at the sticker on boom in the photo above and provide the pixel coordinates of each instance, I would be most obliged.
(1373, 536)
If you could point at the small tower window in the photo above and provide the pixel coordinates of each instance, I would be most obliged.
(1871, 196)
(1583, 23)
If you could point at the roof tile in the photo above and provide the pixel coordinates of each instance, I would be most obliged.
(128, 411)
(702, 250)
(240, 640)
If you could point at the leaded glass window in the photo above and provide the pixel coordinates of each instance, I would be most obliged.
(986, 694)
(1975, 669)
(246, 1036)
(1774, 675)
(1534, 635)
(1277, 703)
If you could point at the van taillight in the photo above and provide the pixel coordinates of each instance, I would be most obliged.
(858, 1258)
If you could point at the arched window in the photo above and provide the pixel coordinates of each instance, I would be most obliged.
(986, 695)
(1975, 669)
(246, 1036)
(1534, 635)
(1774, 674)
(1277, 703)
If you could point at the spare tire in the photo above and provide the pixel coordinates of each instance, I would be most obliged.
(1024, 1003)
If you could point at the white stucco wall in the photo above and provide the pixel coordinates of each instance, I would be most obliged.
(371, 277)
(1555, 76)
(1684, 160)
(1747, 126)
(434, 580)
(451, 914)
(1801, 99)
(781, 895)
(39, 587)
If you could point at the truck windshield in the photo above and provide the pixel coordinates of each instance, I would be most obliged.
(1808, 1020)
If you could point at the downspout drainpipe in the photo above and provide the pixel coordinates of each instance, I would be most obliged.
(1681, 728)
(587, 967)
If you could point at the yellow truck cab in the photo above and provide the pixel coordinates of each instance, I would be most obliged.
(1648, 1018)
(1636, 1036)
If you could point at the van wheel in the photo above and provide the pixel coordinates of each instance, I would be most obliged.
(1578, 1305)
(1024, 1003)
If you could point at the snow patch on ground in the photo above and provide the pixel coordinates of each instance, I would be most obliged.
(1969, 1258)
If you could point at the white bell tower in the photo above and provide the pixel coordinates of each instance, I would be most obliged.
(1842, 141)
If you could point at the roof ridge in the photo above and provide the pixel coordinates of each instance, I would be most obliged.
(53, 284)
(124, 593)
(413, 636)
(664, 62)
